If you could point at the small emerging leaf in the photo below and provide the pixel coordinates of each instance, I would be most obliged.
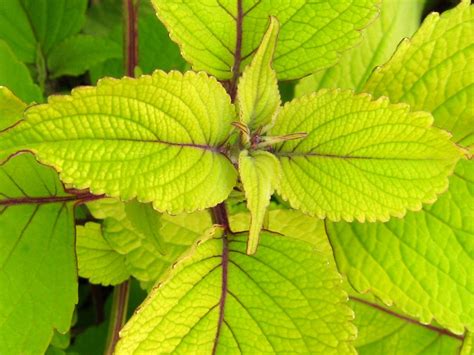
(258, 95)
(260, 175)
(362, 159)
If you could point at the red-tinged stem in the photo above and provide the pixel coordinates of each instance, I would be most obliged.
(79, 198)
(118, 316)
(122, 291)
(130, 8)
(232, 88)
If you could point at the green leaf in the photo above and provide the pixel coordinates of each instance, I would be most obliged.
(467, 347)
(286, 298)
(216, 35)
(136, 239)
(136, 138)
(77, 54)
(11, 108)
(423, 263)
(260, 174)
(362, 159)
(397, 20)
(16, 77)
(96, 259)
(433, 72)
(37, 262)
(31, 26)
(258, 95)
(381, 331)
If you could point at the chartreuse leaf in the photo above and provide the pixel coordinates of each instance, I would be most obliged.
(134, 240)
(260, 175)
(77, 54)
(398, 19)
(361, 159)
(467, 347)
(424, 263)
(11, 108)
(312, 33)
(381, 331)
(33, 27)
(432, 71)
(15, 76)
(37, 262)
(96, 259)
(218, 299)
(139, 138)
(258, 95)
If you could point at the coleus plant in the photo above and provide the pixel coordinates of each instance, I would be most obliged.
(345, 164)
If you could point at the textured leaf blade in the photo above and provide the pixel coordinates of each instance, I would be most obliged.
(136, 138)
(37, 262)
(422, 264)
(183, 312)
(432, 71)
(258, 94)
(382, 331)
(397, 20)
(11, 108)
(362, 159)
(260, 174)
(96, 259)
(324, 30)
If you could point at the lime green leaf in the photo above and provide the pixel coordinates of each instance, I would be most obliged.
(362, 159)
(11, 108)
(258, 95)
(97, 260)
(381, 331)
(138, 239)
(32, 26)
(398, 19)
(139, 138)
(467, 346)
(16, 77)
(216, 35)
(424, 263)
(433, 72)
(284, 299)
(37, 263)
(77, 54)
(260, 174)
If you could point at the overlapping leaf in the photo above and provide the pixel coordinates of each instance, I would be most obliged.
(258, 95)
(214, 35)
(260, 175)
(433, 72)
(362, 159)
(156, 138)
(398, 19)
(218, 299)
(37, 262)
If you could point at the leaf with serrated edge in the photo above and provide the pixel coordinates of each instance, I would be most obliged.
(398, 19)
(37, 264)
(362, 159)
(258, 95)
(156, 138)
(96, 259)
(260, 174)
(422, 264)
(219, 298)
(433, 71)
(313, 33)
(380, 331)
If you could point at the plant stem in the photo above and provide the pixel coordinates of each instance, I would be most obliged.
(130, 10)
(122, 291)
(232, 89)
(118, 315)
